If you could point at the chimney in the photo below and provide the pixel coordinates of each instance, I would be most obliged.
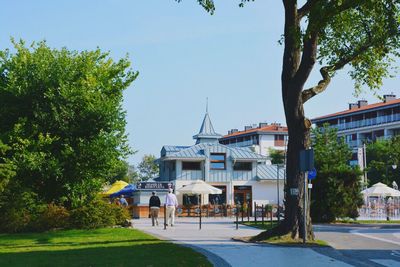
(353, 105)
(229, 132)
(234, 130)
(262, 124)
(247, 127)
(362, 103)
(387, 98)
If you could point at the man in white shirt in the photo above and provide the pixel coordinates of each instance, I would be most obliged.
(171, 202)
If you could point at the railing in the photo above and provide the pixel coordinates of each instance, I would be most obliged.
(367, 122)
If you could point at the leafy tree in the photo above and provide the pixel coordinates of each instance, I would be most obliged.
(6, 168)
(148, 169)
(336, 190)
(361, 34)
(133, 174)
(381, 155)
(62, 120)
(277, 156)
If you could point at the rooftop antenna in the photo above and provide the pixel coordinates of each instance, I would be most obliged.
(206, 104)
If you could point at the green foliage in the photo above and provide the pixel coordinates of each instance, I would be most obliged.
(52, 217)
(336, 190)
(148, 169)
(98, 213)
(20, 214)
(62, 124)
(6, 167)
(381, 155)
(362, 33)
(277, 156)
(133, 175)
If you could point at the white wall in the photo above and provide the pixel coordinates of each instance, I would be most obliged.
(267, 142)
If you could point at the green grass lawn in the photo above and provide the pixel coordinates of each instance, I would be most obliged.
(267, 224)
(101, 247)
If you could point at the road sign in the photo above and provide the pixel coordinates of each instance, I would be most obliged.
(312, 174)
(306, 160)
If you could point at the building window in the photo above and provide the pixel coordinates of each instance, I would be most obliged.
(242, 166)
(191, 166)
(279, 140)
(217, 161)
(218, 199)
(190, 200)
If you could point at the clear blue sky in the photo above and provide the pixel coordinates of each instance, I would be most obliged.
(183, 55)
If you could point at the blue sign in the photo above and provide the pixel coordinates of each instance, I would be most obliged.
(312, 174)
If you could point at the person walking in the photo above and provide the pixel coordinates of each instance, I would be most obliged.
(154, 206)
(172, 203)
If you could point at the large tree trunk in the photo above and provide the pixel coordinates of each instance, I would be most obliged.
(295, 72)
(299, 139)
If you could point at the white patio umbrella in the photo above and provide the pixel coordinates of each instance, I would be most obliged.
(199, 187)
(381, 190)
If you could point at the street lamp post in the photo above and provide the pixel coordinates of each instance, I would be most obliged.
(278, 167)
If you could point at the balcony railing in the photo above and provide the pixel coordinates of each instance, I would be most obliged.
(367, 122)
(243, 143)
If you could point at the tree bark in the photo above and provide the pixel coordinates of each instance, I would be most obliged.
(294, 75)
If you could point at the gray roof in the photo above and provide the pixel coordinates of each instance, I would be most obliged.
(197, 152)
(269, 172)
(207, 130)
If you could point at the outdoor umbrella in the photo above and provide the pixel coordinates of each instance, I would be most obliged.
(380, 190)
(199, 187)
(126, 191)
(115, 187)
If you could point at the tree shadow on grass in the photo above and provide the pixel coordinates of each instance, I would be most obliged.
(47, 242)
(160, 254)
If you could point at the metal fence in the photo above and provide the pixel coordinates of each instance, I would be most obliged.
(380, 209)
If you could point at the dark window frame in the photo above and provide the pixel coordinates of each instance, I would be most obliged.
(190, 168)
(237, 164)
(218, 161)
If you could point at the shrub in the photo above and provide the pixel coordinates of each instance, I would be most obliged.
(96, 214)
(53, 216)
(20, 212)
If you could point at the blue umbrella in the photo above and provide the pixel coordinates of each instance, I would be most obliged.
(126, 191)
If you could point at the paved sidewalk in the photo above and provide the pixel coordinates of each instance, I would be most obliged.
(214, 240)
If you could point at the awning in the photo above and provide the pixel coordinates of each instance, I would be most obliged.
(126, 191)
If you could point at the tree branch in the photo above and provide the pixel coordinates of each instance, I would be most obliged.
(322, 85)
(305, 9)
(326, 73)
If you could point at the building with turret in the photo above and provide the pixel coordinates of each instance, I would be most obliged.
(239, 172)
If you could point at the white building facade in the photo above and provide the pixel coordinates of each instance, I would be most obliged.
(259, 138)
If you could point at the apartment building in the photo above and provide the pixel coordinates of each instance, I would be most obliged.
(362, 123)
(259, 138)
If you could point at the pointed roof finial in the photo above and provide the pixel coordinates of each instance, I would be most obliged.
(207, 133)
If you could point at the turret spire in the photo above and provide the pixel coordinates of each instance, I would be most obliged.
(207, 133)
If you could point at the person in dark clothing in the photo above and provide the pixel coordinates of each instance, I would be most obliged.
(154, 206)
